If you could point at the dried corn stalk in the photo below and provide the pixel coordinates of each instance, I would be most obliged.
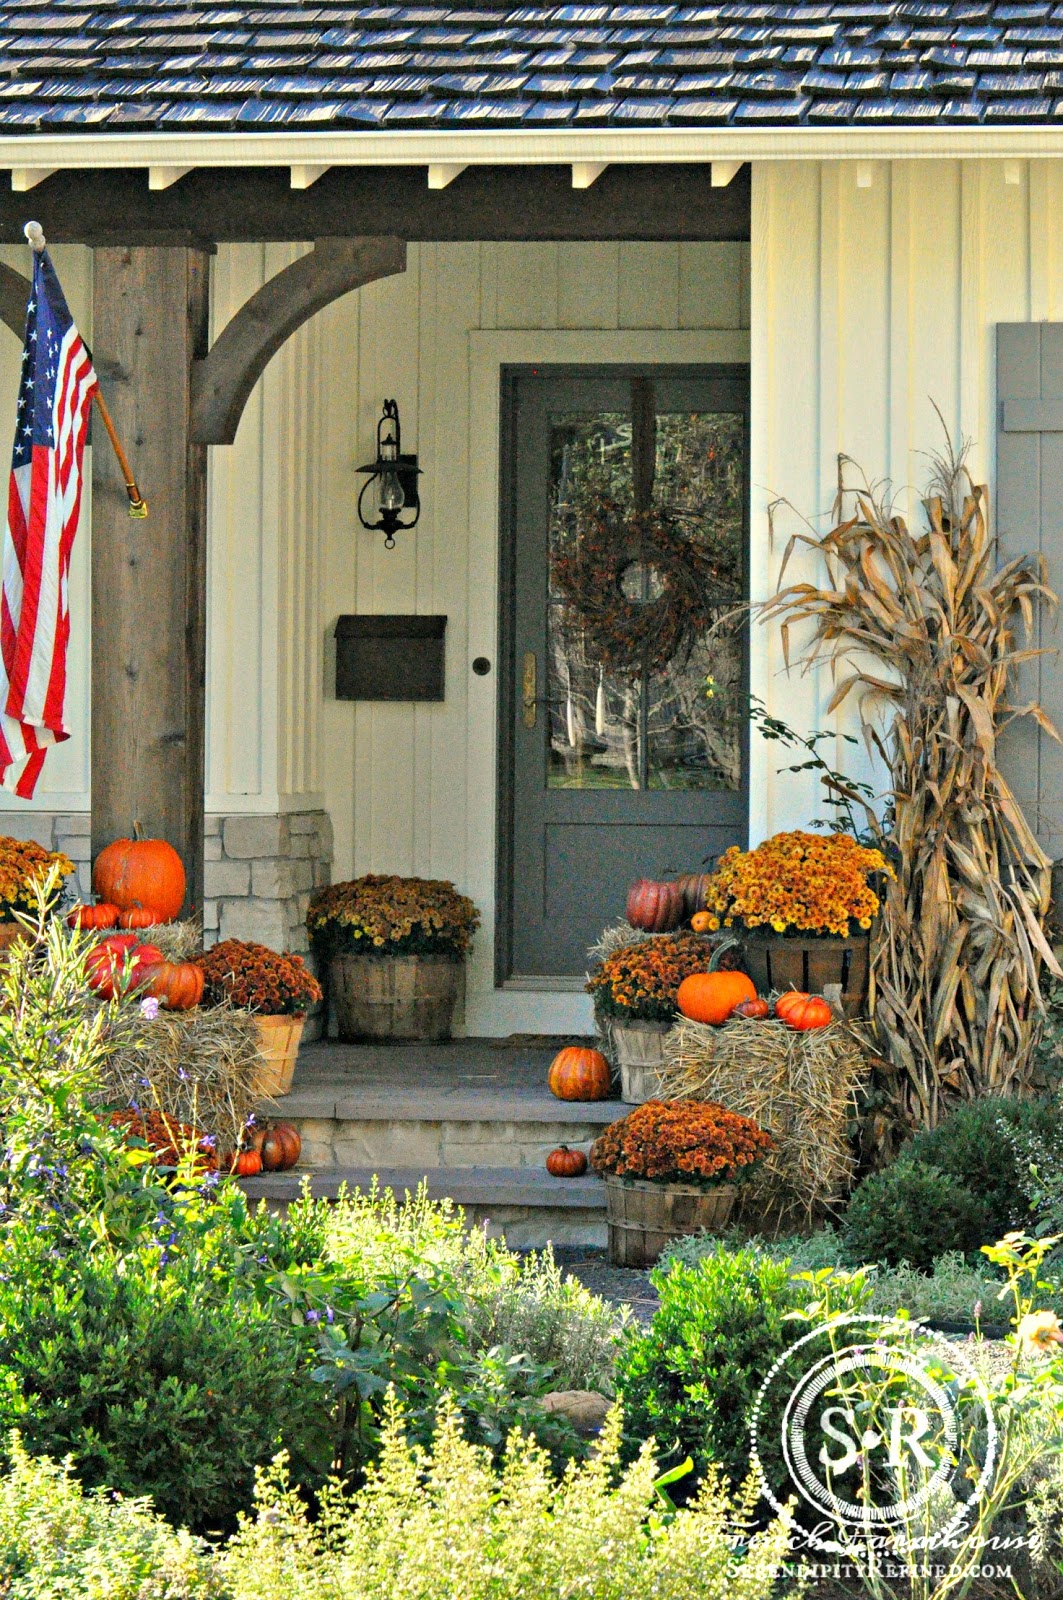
(954, 995)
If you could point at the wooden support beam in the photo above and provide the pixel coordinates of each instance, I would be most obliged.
(150, 314)
(305, 174)
(160, 178)
(14, 296)
(23, 179)
(441, 174)
(223, 380)
(584, 173)
(723, 172)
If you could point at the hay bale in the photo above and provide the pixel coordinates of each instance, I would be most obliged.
(197, 1066)
(178, 941)
(800, 1087)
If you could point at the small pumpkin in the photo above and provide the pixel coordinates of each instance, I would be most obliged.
(566, 1163)
(702, 921)
(755, 1008)
(712, 996)
(654, 907)
(579, 1074)
(101, 915)
(177, 985)
(290, 1142)
(139, 917)
(141, 872)
(694, 889)
(789, 997)
(810, 1012)
(246, 1164)
(258, 1134)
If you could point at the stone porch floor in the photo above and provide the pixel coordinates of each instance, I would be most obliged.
(472, 1117)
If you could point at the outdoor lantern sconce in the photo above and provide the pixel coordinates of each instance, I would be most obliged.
(396, 478)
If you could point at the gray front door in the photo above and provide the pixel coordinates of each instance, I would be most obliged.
(616, 771)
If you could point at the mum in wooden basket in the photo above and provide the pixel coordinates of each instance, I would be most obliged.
(279, 989)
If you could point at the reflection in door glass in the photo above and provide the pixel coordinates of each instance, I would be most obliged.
(639, 730)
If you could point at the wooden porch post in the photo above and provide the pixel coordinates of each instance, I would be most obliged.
(150, 316)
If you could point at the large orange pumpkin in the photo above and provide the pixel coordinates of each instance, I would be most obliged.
(654, 907)
(141, 872)
(712, 996)
(579, 1074)
(177, 985)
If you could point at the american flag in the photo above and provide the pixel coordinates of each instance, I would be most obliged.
(43, 503)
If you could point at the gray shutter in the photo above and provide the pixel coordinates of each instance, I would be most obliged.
(1029, 517)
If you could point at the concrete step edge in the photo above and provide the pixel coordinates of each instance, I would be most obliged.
(500, 1186)
(327, 1106)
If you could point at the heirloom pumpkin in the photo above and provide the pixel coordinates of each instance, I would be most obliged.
(281, 1147)
(712, 996)
(141, 872)
(566, 1163)
(106, 965)
(789, 997)
(100, 915)
(177, 985)
(755, 1008)
(579, 1074)
(654, 907)
(694, 889)
(811, 1011)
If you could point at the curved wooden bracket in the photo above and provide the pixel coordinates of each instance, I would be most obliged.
(14, 296)
(223, 380)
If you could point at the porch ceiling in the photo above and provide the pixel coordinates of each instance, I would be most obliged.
(244, 204)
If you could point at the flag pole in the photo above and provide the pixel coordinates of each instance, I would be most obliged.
(138, 506)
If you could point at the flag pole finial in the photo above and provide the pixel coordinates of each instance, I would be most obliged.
(34, 236)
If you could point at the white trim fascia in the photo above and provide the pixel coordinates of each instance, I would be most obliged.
(523, 147)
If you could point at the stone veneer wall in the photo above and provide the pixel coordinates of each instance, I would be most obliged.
(260, 870)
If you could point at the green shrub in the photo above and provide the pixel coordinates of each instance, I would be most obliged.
(56, 1539)
(452, 1527)
(912, 1212)
(690, 1381)
(155, 1381)
(982, 1145)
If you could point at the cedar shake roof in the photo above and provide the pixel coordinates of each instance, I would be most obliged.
(327, 65)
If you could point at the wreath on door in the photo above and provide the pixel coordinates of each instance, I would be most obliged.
(629, 633)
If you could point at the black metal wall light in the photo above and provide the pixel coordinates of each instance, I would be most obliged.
(395, 477)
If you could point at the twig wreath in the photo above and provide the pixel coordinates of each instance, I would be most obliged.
(633, 634)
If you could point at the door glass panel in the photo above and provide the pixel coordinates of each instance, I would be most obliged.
(637, 729)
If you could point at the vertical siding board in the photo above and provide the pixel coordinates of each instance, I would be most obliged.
(587, 285)
(527, 285)
(710, 285)
(901, 362)
(649, 286)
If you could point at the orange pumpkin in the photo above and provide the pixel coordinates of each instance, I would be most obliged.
(105, 966)
(139, 917)
(246, 1164)
(790, 997)
(280, 1148)
(811, 1011)
(141, 872)
(177, 985)
(702, 921)
(712, 996)
(579, 1074)
(755, 1008)
(566, 1163)
(654, 907)
(100, 915)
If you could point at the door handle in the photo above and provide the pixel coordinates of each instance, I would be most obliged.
(529, 685)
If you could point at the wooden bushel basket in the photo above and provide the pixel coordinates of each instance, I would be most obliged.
(278, 1044)
(810, 965)
(645, 1217)
(395, 997)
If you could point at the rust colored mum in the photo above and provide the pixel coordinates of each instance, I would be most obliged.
(167, 1139)
(640, 982)
(390, 916)
(799, 883)
(22, 865)
(258, 979)
(681, 1141)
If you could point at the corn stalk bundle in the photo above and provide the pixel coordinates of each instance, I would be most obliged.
(924, 627)
(800, 1087)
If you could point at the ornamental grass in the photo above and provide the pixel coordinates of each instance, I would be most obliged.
(797, 883)
(380, 915)
(922, 629)
(681, 1141)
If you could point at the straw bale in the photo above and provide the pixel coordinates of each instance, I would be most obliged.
(178, 941)
(800, 1087)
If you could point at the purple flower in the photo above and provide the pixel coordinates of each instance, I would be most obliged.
(149, 1008)
(313, 1316)
(329, 1317)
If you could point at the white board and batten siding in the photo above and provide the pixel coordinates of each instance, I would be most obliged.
(869, 306)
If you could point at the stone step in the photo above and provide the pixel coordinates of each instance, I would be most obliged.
(528, 1207)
